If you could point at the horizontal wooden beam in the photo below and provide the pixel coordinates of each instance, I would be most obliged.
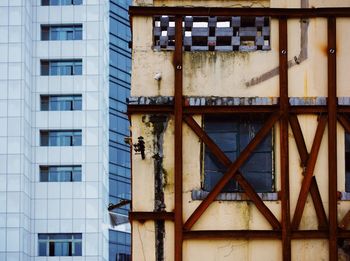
(232, 234)
(143, 216)
(225, 11)
(256, 234)
(145, 109)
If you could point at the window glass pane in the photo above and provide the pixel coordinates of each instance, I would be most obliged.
(44, 68)
(77, 175)
(44, 139)
(44, 103)
(77, 249)
(77, 104)
(78, 34)
(69, 35)
(42, 248)
(232, 135)
(78, 69)
(77, 140)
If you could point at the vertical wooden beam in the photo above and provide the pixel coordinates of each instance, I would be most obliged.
(284, 156)
(332, 138)
(178, 138)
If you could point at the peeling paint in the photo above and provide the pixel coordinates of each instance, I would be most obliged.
(158, 123)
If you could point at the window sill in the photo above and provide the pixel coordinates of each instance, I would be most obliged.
(344, 196)
(236, 196)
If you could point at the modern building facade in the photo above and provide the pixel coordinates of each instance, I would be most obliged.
(57, 147)
(241, 113)
(119, 150)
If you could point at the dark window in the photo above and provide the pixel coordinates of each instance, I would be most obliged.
(61, 67)
(61, 32)
(61, 2)
(214, 33)
(347, 162)
(60, 244)
(60, 102)
(60, 138)
(123, 257)
(60, 173)
(232, 135)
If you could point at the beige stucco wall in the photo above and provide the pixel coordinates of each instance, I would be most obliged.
(227, 74)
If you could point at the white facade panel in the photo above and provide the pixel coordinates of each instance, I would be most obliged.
(29, 206)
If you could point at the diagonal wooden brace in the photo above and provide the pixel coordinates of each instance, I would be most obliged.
(304, 157)
(249, 190)
(232, 170)
(344, 121)
(305, 188)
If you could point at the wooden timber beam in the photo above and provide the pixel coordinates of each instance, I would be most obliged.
(226, 11)
(143, 216)
(345, 221)
(236, 234)
(305, 187)
(304, 156)
(332, 138)
(232, 171)
(256, 234)
(148, 109)
(178, 139)
(284, 145)
(221, 156)
(344, 121)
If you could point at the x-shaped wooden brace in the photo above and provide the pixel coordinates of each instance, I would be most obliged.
(309, 183)
(344, 121)
(233, 171)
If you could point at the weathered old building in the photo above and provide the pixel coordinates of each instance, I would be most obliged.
(240, 129)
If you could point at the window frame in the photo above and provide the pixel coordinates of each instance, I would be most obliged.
(47, 173)
(59, 138)
(69, 67)
(237, 189)
(47, 32)
(74, 241)
(64, 102)
(61, 2)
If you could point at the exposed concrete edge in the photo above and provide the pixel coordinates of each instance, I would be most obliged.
(345, 196)
(232, 101)
(233, 196)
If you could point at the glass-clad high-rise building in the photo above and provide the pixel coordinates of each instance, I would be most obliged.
(64, 79)
(119, 157)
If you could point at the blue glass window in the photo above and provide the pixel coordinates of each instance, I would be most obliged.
(119, 248)
(60, 173)
(61, 67)
(60, 244)
(60, 138)
(60, 102)
(61, 32)
(232, 135)
(61, 2)
(347, 162)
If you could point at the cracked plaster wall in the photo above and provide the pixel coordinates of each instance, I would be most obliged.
(226, 74)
